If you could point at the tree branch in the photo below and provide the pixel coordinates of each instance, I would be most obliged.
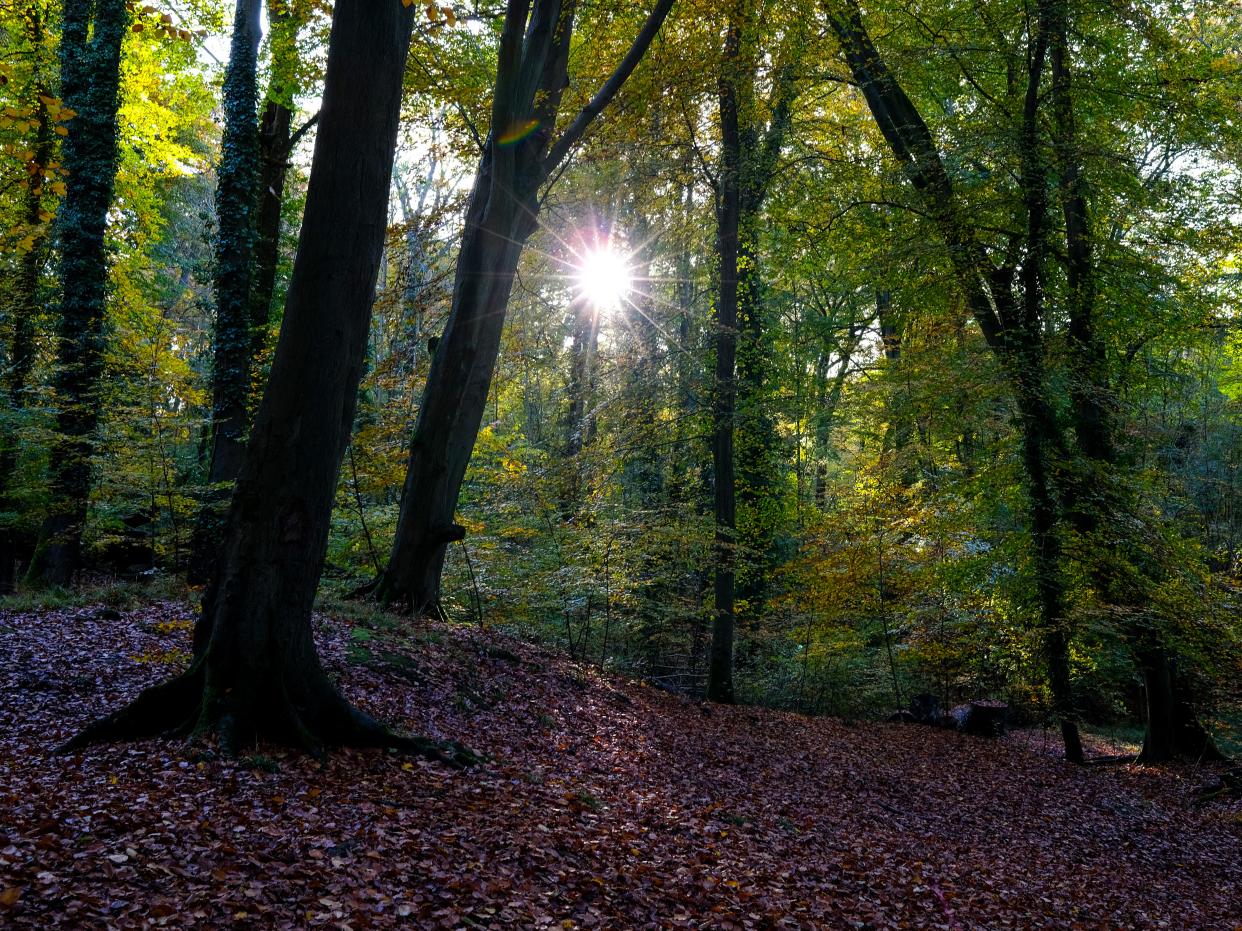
(609, 88)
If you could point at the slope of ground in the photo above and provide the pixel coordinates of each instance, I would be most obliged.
(605, 804)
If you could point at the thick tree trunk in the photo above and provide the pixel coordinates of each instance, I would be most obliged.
(236, 197)
(256, 673)
(90, 51)
(502, 214)
(455, 397)
(724, 401)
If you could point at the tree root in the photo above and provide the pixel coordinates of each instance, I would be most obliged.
(181, 708)
(169, 709)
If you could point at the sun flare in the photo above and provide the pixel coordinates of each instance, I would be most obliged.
(604, 278)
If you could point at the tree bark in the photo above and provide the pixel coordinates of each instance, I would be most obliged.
(256, 673)
(1173, 729)
(1012, 327)
(580, 390)
(90, 55)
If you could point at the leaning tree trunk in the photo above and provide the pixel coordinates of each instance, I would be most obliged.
(1012, 330)
(255, 672)
(236, 198)
(90, 54)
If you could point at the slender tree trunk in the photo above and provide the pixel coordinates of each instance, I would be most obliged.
(25, 305)
(90, 53)
(275, 131)
(276, 140)
(236, 198)
(580, 387)
(728, 218)
(256, 673)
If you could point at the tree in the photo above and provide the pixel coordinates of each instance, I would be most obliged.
(1010, 317)
(26, 290)
(90, 74)
(741, 418)
(237, 197)
(519, 156)
(255, 672)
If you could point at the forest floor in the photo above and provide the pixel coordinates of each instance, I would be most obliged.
(606, 804)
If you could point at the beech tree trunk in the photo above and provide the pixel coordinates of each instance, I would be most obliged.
(90, 67)
(519, 155)
(580, 389)
(1173, 728)
(724, 400)
(255, 672)
(1012, 326)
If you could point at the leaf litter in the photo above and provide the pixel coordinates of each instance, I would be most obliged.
(604, 803)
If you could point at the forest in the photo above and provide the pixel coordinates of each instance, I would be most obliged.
(621, 464)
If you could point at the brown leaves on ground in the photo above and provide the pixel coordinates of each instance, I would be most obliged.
(606, 804)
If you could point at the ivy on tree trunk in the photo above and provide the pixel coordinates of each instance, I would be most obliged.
(90, 68)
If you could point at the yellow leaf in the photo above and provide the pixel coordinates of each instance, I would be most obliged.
(9, 896)
(449, 16)
(432, 12)
(60, 130)
(66, 114)
(58, 187)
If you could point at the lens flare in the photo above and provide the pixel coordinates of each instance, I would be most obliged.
(604, 278)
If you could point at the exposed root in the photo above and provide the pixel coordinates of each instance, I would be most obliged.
(180, 708)
(361, 730)
(164, 710)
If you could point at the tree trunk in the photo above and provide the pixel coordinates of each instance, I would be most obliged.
(1173, 728)
(25, 303)
(580, 389)
(236, 190)
(90, 53)
(531, 76)
(276, 139)
(728, 218)
(256, 673)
